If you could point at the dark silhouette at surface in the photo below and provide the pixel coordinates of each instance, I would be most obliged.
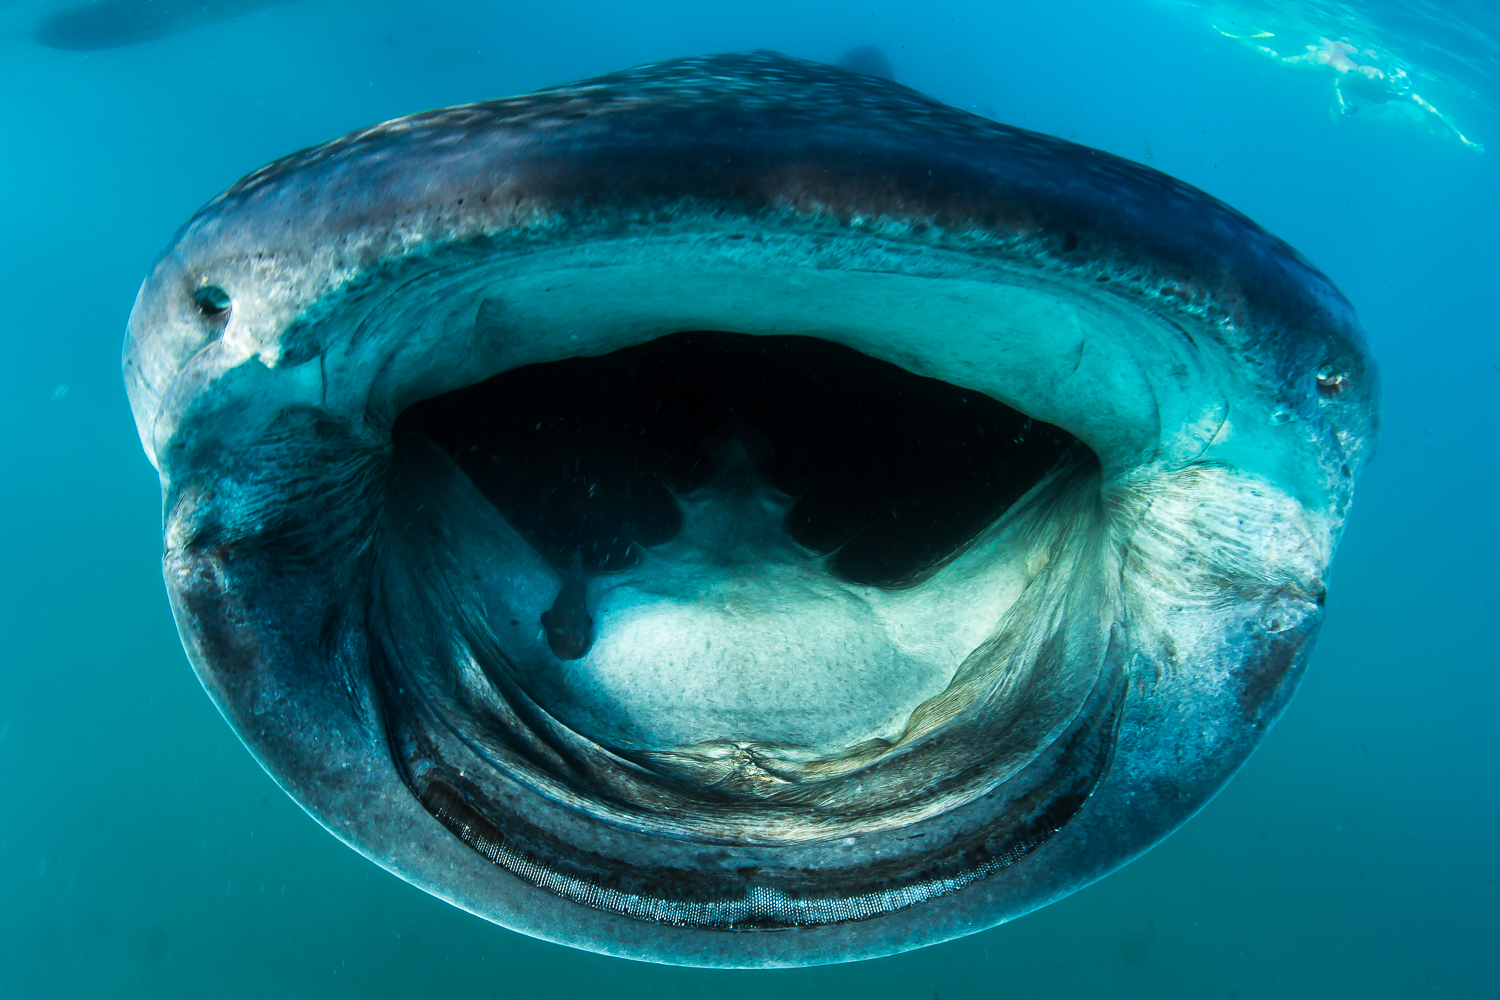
(112, 24)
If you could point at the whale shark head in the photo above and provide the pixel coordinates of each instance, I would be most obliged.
(738, 512)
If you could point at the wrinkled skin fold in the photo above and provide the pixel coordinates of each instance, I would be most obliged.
(727, 748)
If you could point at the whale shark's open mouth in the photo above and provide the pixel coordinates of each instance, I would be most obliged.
(706, 483)
(805, 576)
(739, 513)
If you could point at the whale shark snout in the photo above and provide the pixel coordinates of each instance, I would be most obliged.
(950, 505)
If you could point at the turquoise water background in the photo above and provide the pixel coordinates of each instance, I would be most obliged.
(142, 851)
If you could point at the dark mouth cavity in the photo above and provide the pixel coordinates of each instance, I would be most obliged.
(893, 472)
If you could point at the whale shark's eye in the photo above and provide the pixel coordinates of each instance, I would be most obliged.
(1331, 380)
(212, 301)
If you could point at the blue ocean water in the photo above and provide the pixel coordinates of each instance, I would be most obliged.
(142, 851)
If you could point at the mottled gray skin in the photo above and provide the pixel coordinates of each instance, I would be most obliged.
(1221, 382)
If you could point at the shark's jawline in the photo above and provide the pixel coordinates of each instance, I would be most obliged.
(679, 653)
(682, 898)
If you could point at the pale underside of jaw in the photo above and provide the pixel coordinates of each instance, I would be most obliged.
(733, 633)
(733, 657)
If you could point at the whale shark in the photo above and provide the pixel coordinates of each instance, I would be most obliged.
(739, 512)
